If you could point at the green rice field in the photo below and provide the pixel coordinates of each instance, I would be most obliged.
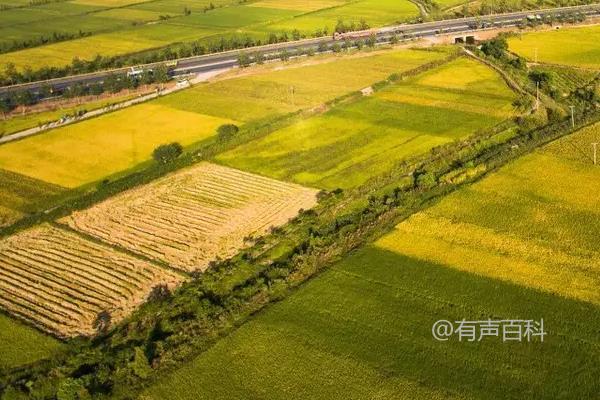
(119, 28)
(520, 244)
(61, 156)
(351, 143)
(576, 47)
(21, 345)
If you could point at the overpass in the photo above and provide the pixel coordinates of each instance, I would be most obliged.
(227, 59)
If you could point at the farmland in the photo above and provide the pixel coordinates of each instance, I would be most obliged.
(16, 122)
(574, 47)
(521, 243)
(20, 195)
(351, 143)
(21, 344)
(155, 24)
(62, 283)
(195, 216)
(61, 156)
(131, 135)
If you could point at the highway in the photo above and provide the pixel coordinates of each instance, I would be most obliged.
(226, 59)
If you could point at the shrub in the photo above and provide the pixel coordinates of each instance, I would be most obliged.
(495, 47)
(165, 153)
(226, 132)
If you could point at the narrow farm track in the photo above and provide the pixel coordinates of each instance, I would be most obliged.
(60, 282)
(194, 216)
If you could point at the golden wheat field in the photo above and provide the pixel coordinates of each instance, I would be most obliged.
(195, 216)
(535, 223)
(61, 283)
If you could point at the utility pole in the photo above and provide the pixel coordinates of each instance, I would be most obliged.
(572, 116)
(595, 145)
(537, 95)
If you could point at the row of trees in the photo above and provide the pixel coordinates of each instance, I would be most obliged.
(112, 84)
(42, 40)
(246, 59)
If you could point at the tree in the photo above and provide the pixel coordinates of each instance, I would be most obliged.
(495, 47)
(6, 106)
(371, 41)
(542, 78)
(284, 55)
(425, 180)
(243, 60)
(259, 58)
(226, 132)
(72, 389)
(161, 74)
(166, 153)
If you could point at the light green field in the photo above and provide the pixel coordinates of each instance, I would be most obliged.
(573, 46)
(92, 149)
(21, 345)
(62, 156)
(300, 5)
(115, 34)
(287, 90)
(21, 122)
(349, 144)
(521, 244)
(109, 44)
(374, 12)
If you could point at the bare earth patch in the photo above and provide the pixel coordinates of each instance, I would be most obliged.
(194, 216)
(61, 283)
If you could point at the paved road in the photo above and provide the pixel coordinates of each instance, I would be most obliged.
(228, 59)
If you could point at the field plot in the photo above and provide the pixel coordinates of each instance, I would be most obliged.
(541, 233)
(19, 122)
(20, 194)
(194, 216)
(520, 244)
(374, 12)
(63, 156)
(21, 344)
(286, 90)
(61, 283)
(349, 144)
(574, 46)
(115, 35)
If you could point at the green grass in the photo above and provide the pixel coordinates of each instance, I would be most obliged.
(349, 144)
(21, 344)
(520, 244)
(574, 46)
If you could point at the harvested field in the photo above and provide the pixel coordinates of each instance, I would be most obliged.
(60, 282)
(195, 216)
